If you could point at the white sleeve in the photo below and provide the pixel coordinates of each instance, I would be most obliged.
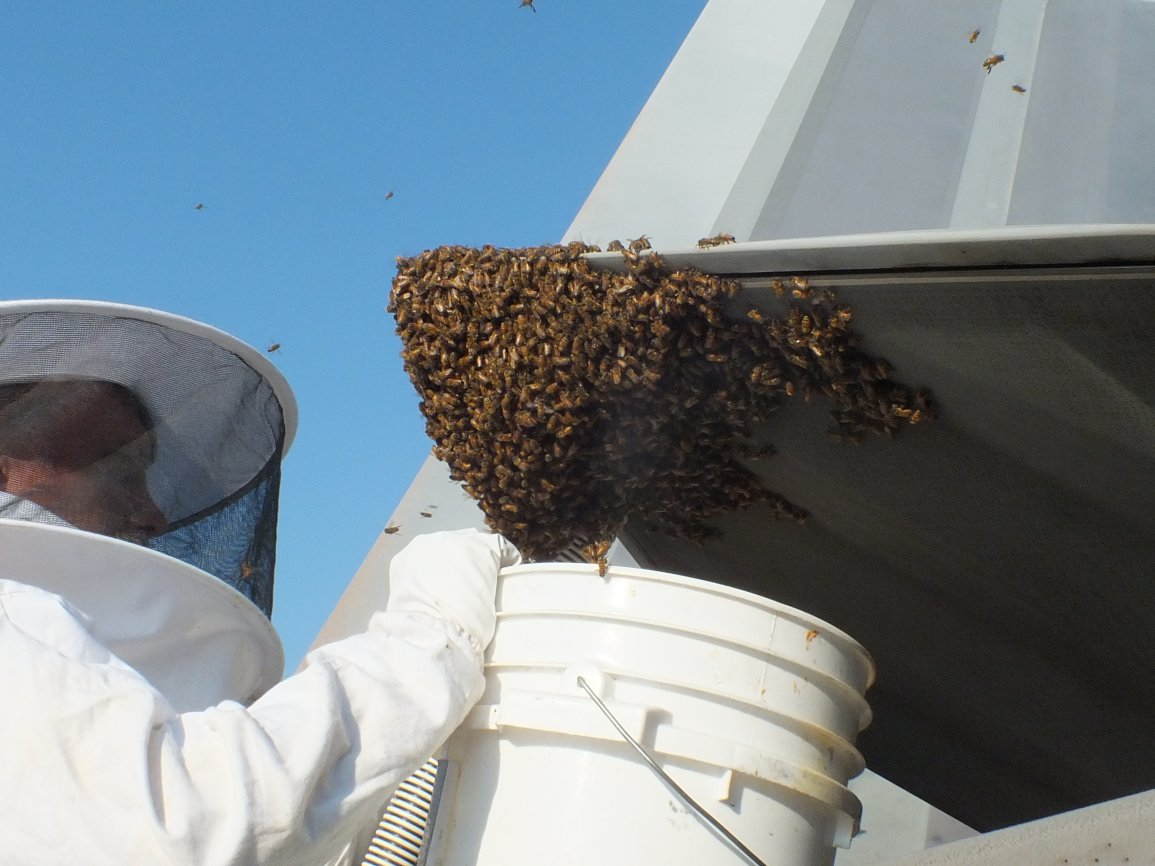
(314, 759)
(101, 770)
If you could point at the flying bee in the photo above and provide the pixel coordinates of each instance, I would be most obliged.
(715, 241)
(779, 287)
(754, 314)
(425, 513)
(273, 347)
(200, 205)
(247, 571)
(1018, 88)
(974, 36)
(388, 195)
(993, 61)
(640, 243)
(391, 530)
(528, 3)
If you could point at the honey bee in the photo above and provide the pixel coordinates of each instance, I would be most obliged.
(801, 287)
(528, 3)
(273, 347)
(640, 243)
(199, 206)
(810, 635)
(993, 61)
(715, 241)
(754, 314)
(425, 513)
(391, 530)
(1018, 88)
(615, 246)
(247, 570)
(974, 35)
(388, 195)
(596, 553)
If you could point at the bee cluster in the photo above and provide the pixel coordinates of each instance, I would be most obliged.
(567, 398)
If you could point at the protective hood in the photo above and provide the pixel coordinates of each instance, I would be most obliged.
(195, 639)
(218, 414)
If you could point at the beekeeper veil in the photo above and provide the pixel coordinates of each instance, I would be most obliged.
(216, 415)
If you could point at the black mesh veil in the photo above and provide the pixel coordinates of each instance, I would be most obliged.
(219, 417)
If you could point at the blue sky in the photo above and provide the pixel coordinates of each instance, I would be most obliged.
(290, 122)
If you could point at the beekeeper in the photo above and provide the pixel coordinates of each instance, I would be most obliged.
(142, 715)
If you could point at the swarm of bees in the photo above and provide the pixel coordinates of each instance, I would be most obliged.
(568, 398)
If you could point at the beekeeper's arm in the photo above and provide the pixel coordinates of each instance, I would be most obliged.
(284, 780)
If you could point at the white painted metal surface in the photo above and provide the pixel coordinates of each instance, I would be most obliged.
(804, 119)
(676, 166)
(1109, 834)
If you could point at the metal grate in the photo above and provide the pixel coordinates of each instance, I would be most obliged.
(573, 553)
(406, 823)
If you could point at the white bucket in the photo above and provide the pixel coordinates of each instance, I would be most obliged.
(751, 707)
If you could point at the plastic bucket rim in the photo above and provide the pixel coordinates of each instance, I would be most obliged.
(798, 615)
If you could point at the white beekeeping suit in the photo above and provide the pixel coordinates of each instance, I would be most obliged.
(141, 715)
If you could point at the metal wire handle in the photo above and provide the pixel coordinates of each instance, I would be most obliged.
(686, 799)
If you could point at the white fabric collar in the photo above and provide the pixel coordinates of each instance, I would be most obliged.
(196, 639)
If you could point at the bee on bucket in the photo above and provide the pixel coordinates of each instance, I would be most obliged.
(596, 553)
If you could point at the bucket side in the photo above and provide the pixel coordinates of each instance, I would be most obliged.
(529, 796)
(689, 659)
(751, 707)
(681, 602)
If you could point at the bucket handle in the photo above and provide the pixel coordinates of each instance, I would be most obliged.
(674, 787)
